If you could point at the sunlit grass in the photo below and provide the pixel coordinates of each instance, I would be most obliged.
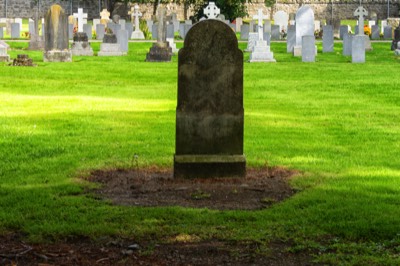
(337, 123)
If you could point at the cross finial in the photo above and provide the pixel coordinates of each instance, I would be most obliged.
(211, 11)
(104, 14)
(80, 16)
(360, 12)
(260, 16)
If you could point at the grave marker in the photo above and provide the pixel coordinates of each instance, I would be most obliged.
(281, 19)
(327, 39)
(209, 113)
(304, 27)
(211, 11)
(80, 16)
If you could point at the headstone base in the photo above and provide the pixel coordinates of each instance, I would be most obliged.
(297, 51)
(209, 166)
(81, 49)
(57, 56)
(110, 49)
(159, 52)
(137, 35)
(4, 58)
(261, 53)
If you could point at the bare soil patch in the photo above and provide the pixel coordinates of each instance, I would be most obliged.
(157, 187)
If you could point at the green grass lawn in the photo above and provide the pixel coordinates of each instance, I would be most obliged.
(337, 123)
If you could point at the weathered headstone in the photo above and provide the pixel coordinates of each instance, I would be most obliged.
(396, 39)
(387, 32)
(81, 45)
(275, 33)
(253, 37)
(342, 30)
(267, 26)
(347, 40)
(100, 31)
(291, 38)
(123, 38)
(56, 36)
(160, 51)
(36, 42)
(239, 23)
(80, 16)
(281, 18)
(113, 27)
(308, 48)
(375, 32)
(87, 28)
(1, 32)
(170, 31)
(304, 27)
(4, 57)
(70, 31)
(211, 11)
(244, 32)
(358, 49)
(327, 39)
(209, 113)
(15, 31)
(135, 15)
(154, 31)
(110, 46)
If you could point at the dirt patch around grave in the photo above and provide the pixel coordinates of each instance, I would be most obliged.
(156, 187)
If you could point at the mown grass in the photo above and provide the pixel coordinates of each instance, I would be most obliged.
(337, 123)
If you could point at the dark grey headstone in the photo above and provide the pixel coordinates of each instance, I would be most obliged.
(122, 38)
(100, 31)
(56, 36)
(70, 31)
(154, 31)
(267, 37)
(358, 49)
(87, 28)
(15, 31)
(343, 29)
(129, 28)
(209, 113)
(244, 32)
(347, 39)
(110, 38)
(32, 27)
(170, 31)
(308, 48)
(267, 26)
(290, 38)
(375, 32)
(387, 32)
(275, 33)
(327, 39)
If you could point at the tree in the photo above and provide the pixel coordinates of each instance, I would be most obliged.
(230, 8)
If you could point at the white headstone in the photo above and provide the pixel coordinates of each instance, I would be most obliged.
(19, 21)
(281, 18)
(239, 23)
(304, 23)
(211, 11)
(80, 16)
(260, 17)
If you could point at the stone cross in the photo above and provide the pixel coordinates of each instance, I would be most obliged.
(360, 12)
(80, 16)
(162, 27)
(104, 14)
(211, 11)
(135, 12)
(260, 18)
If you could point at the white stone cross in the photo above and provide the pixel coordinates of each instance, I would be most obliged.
(104, 14)
(80, 16)
(260, 18)
(135, 12)
(211, 11)
(360, 12)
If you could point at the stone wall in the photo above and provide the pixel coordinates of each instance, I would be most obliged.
(323, 9)
(28, 9)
